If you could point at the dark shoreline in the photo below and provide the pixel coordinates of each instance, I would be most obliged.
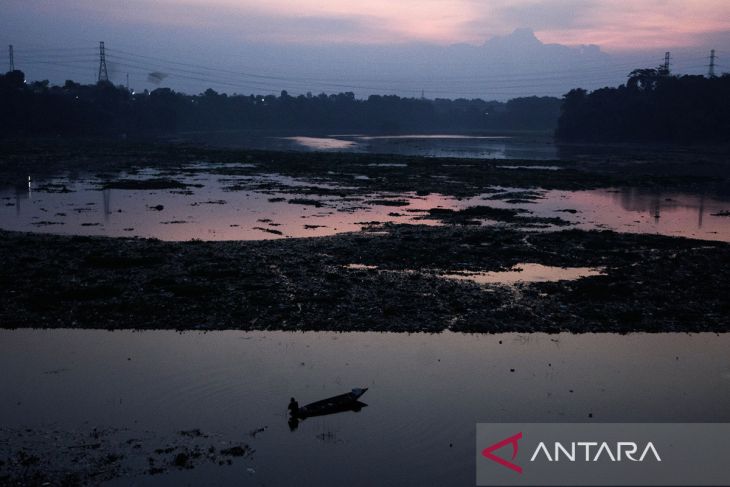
(677, 168)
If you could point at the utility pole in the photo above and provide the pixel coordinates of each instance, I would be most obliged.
(103, 74)
(712, 64)
(11, 65)
(127, 81)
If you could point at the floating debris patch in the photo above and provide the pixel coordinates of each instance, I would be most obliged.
(60, 457)
(151, 184)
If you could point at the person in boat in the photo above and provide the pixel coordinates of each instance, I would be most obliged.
(293, 407)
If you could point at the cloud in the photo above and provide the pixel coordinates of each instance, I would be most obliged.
(537, 14)
(622, 25)
(616, 25)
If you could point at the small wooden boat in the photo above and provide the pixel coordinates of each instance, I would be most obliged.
(336, 404)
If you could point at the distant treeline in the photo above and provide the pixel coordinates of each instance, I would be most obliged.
(104, 109)
(653, 106)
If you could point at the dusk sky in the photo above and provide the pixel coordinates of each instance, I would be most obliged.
(399, 46)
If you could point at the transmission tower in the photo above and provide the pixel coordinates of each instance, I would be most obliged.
(665, 66)
(103, 75)
(11, 64)
(712, 64)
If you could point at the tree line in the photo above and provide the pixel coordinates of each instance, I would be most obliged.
(653, 106)
(38, 108)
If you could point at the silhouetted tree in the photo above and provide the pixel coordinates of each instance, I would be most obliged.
(104, 109)
(652, 106)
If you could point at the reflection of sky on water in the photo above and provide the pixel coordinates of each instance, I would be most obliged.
(643, 211)
(469, 147)
(520, 273)
(210, 212)
(322, 143)
(426, 392)
(431, 145)
(527, 272)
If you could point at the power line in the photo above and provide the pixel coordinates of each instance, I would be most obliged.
(593, 73)
(506, 77)
(54, 50)
(500, 88)
(134, 55)
(90, 60)
(89, 71)
(598, 68)
(308, 83)
(505, 89)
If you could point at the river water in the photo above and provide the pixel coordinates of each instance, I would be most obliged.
(486, 146)
(426, 393)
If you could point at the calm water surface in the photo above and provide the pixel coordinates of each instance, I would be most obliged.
(426, 392)
(536, 147)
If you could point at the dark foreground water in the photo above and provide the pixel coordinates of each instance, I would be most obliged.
(426, 392)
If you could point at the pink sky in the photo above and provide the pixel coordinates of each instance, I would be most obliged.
(367, 46)
(615, 25)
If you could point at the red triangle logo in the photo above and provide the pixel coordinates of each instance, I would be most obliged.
(512, 440)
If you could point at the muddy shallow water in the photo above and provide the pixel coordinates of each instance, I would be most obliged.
(209, 205)
(426, 392)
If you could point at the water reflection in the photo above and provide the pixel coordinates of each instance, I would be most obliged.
(265, 206)
(461, 146)
(528, 272)
(322, 143)
(641, 201)
(471, 146)
(432, 137)
(533, 167)
(106, 197)
(660, 212)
